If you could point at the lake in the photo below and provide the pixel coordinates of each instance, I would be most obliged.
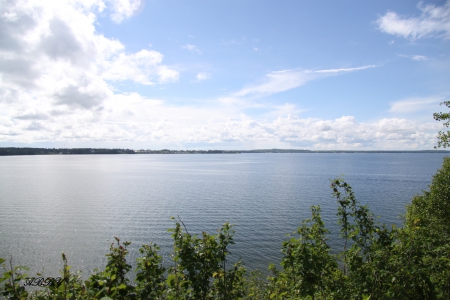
(78, 203)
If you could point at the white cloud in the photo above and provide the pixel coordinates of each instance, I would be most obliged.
(56, 76)
(434, 21)
(52, 58)
(192, 48)
(123, 9)
(415, 57)
(167, 74)
(152, 123)
(139, 67)
(345, 69)
(280, 81)
(415, 104)
(286, 109)
(276, 82)
(202, 76)
(419, 57)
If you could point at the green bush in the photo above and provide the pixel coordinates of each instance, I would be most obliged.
(412, 262)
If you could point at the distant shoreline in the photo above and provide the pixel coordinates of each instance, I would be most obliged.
(8, 151)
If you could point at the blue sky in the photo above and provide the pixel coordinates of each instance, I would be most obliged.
(363, 75)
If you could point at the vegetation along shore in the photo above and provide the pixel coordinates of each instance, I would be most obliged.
(5, 151)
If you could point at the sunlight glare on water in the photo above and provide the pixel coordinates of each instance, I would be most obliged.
(77, 204)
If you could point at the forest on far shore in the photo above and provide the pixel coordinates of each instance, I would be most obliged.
(5, 151)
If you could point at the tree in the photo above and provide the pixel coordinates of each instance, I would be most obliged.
(444, 137)
(427, 226)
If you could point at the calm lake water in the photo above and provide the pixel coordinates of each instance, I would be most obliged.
(77, 204)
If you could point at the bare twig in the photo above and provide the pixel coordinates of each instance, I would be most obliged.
(183, 224)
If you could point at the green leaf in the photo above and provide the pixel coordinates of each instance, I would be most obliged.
(170, 279)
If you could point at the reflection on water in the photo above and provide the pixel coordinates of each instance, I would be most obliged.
(75, 204)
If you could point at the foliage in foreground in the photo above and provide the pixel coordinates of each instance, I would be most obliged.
(443, 137)
(376, 262)
(412, 262)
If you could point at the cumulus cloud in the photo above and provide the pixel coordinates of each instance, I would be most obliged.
(133, 119)
(51, 54)
(32, 116)
(123, 9)
(139, 67)
(57, 77)
(433, 21)
(57, 73)
(75, 96)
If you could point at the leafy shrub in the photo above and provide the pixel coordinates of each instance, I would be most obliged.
(412, 262)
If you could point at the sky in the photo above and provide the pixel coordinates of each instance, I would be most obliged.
(223, 74)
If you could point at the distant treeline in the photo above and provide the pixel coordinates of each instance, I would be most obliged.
(54, 151)
(67, 151)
